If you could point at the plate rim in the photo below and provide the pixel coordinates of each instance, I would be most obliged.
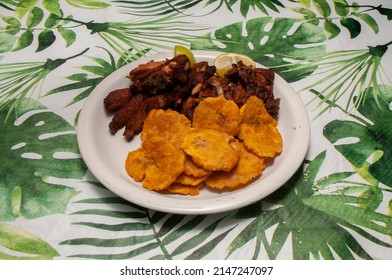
(230, 201)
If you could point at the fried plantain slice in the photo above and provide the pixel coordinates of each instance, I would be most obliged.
(177, 188)
(168, 124)
(190, 180)
(264, 141)
(136, 164)
(167, 163)
(259, 130)
(192, 169)
(217, 113)
(254, 113)
(248, 167)
(210, 149)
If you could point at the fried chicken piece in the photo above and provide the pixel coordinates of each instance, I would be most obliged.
(157, 77)
(117, 98)
(122, 116)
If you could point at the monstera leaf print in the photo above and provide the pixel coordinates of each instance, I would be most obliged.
(36, 147)
(367, 144)
(275, 42)
(23, 245)
(317, 222)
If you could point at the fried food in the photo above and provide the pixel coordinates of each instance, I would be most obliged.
(167, 163)
(197, 129)
(248, 167)
(217, 113)
(177, 188)
(136, 164)
(192, 169)
(168, 124)
(254, 113)
(259, 130)
(117, 98)
(210, 149)
(264, 141)
(190, 180)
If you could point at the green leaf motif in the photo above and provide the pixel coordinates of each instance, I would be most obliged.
(45, 39)
(53, 7)
(165, 236)
(7, 42)
(35, 17)
(261, 5)
(322, 7)
(371, 138)
(352, 25)
(341, 7)
(32, 152)
(13, 24)
(368, 20)
(331, 29)
(317, 223)
(309, 15)
(24, 40)
(68, 35)
(24, 7)
(386, 12)
(85, 81)
(274, 46)
(88, 4)
(23, 244)
(52, 21)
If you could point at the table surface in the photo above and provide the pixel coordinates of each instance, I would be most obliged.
(336, 54)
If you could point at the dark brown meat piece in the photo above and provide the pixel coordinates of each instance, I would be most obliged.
(241, 82)
(203, 83)
(139, 112)
(174, 84)
(209, 88)
(117, 98)
(122, 116)
(157, 77)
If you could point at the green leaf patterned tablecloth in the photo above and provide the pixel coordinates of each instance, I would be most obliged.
(336, 54)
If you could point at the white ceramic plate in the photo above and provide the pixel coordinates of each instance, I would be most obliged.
(105, 154)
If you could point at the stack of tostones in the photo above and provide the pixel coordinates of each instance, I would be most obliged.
(223, 147)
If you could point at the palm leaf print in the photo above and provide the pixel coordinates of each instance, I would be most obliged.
(155, 8)
(143, 231)
(142, 33)
(316, 218)
(92, 75)
(22, 80)
(354, 73)
(158, 8)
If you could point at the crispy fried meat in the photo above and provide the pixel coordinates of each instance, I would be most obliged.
(117, 98)
(174, 84)
(126, 112)
(241, 82)
(203, 83)
(157, 77)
